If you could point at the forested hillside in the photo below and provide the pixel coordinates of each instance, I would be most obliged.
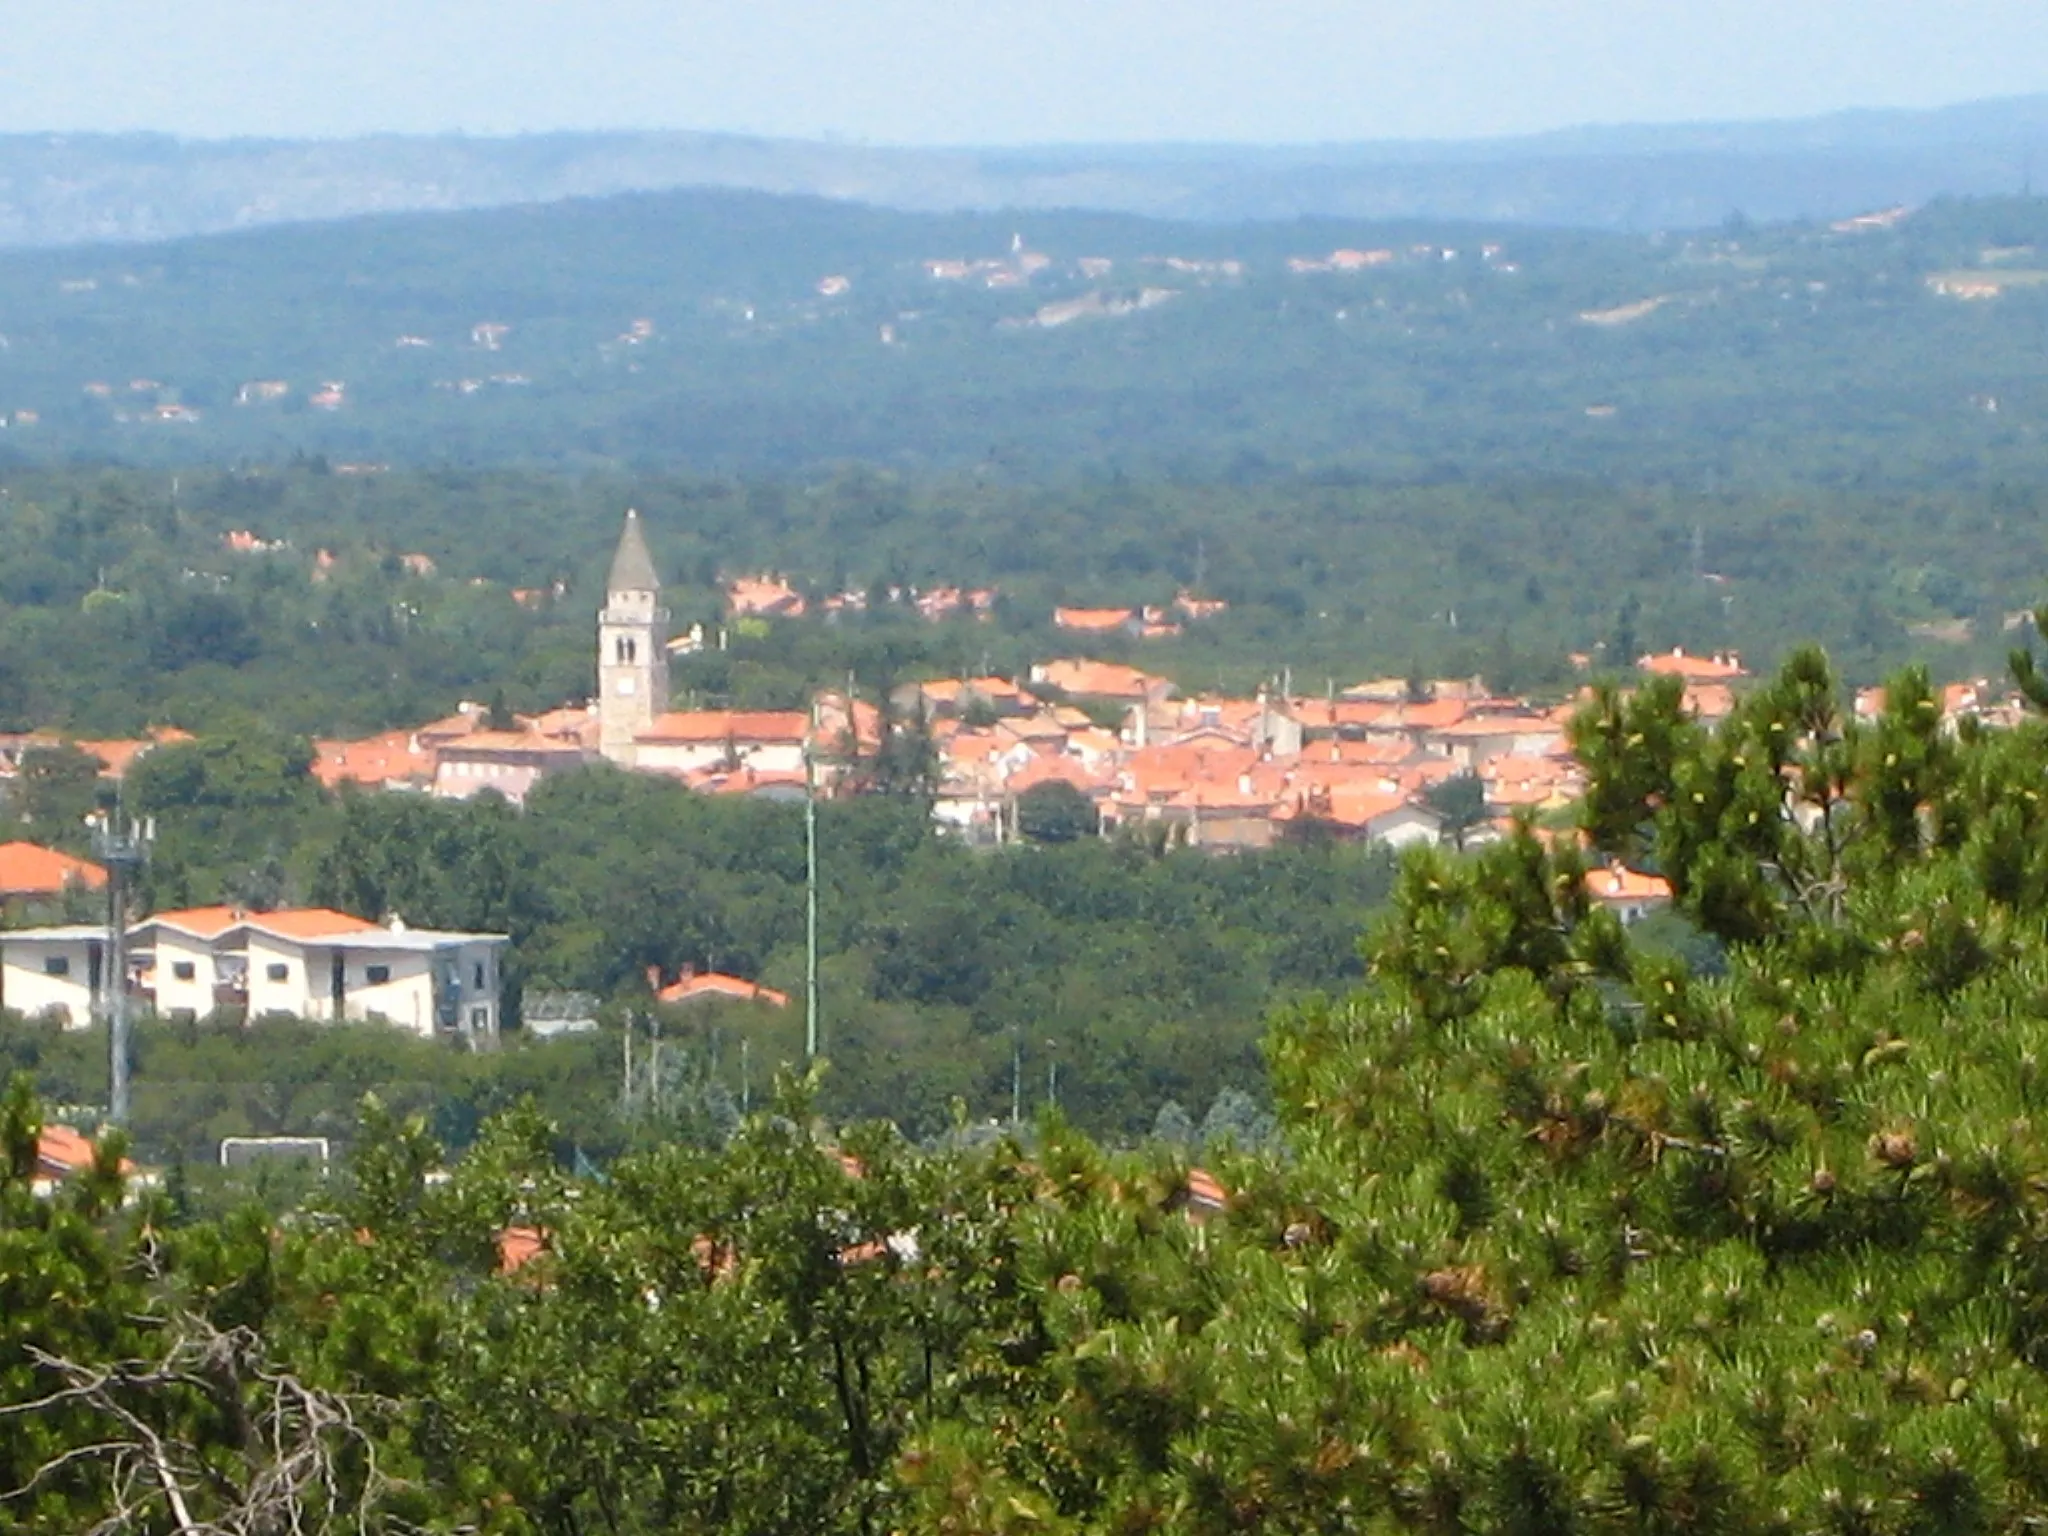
(746, 332)
(1563, 1236)
(122, 606)
(1142, 972)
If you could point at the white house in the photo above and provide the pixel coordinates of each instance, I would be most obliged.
(695, 741)
(307, 963)
(54, 970)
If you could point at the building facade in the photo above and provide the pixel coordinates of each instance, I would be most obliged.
(632, 648)
(307, 963)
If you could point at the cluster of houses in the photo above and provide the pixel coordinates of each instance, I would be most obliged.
(1366, 763)
(307, 963)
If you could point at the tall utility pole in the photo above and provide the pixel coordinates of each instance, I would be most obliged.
(626, 1077)
(123, 847)
(811, 892)
(1016, 1076)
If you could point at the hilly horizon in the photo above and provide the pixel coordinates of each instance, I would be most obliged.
(63, 189)
(753, 333)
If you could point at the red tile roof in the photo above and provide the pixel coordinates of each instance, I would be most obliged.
(1100, 679)
(394, 757)
(763, 597)
(298, 923)
(518, 1247)
(1093, 620)
(27, 869)
(1617, 883)
(713, 984)
(62, 1152)
(1697, 669)
(721, 725)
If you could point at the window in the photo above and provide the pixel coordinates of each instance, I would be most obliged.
(56, 965)
(479, 1020)
(376, 975)
(277, 970)
(184, 970)
(479, 975)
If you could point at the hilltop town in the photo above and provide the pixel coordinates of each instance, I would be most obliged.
(1122, 751)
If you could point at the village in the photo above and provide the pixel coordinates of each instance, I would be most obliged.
(1117, 750)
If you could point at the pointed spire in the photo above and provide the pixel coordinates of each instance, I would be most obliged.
(633, 567)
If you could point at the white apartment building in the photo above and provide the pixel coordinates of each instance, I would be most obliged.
(305, 963)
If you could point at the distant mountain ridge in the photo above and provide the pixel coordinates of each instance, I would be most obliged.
(750, 332)
(77, 189)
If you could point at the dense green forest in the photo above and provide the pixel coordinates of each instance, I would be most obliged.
(690, 328)
(1559, 1235)
(120, 607)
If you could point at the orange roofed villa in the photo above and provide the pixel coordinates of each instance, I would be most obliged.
(307, 963)
(31, 874)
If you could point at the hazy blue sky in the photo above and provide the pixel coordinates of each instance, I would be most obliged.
(989, 71)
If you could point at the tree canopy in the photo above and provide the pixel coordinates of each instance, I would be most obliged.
(1554, 1234)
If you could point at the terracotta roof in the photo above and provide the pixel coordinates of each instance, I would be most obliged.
(1100, 679)
(391, 757)
(518, 1247)
(1521, 768)
(117, 757)
(744, 780)
(1166, 770)
(487, 741)
(719, 725)
(27, 869)
(972, 746)
(1040, 729)
(1517, 723)
(309, 923)
(1616, 883)
(1337, 714)
(1357, 806)
(1093, 620)
(712, 984)
(763, 596)
(1700, 669)
(299, 923)
(1421, 774)
(1433, 716)
(61, 1152)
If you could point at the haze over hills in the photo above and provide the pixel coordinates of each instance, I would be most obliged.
(65, 189)
(756, 333)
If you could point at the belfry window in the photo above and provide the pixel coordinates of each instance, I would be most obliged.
(628, 649)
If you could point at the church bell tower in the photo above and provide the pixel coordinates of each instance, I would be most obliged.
(632, 648)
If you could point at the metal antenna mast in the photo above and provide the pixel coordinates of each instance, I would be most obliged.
(811, 888)
(123, 847)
